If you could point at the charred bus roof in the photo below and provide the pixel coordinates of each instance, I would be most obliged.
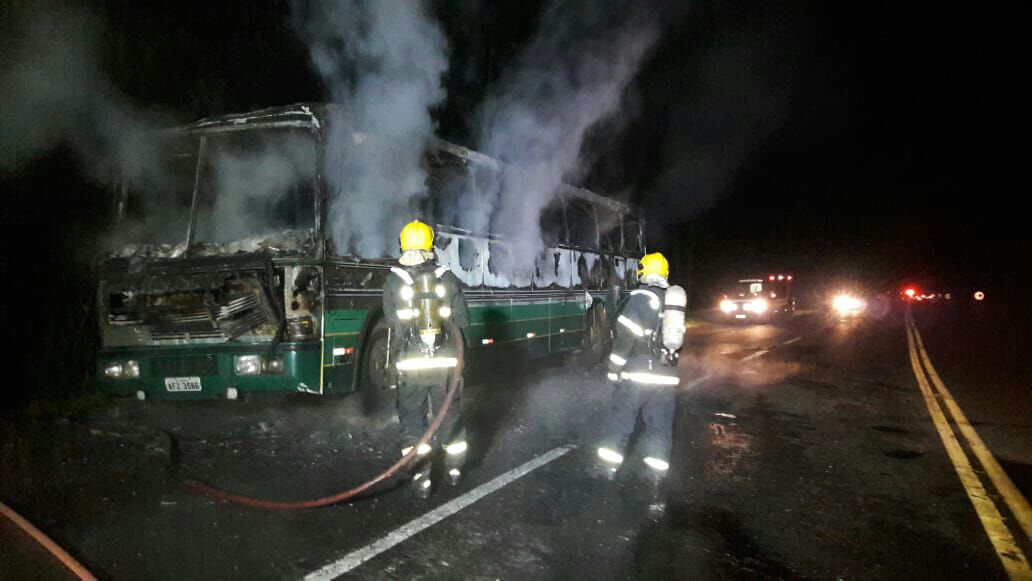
(317, 116)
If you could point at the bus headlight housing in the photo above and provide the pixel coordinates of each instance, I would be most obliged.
(113, 370)
(122, 369)
(257, 365)
(247, 364)
(727, 306)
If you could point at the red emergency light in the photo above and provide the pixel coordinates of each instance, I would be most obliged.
(910, 292)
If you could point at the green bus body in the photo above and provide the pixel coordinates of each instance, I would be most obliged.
(535, 317)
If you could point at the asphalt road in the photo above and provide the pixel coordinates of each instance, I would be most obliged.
(802, 450)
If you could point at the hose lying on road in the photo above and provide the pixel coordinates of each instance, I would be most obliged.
(47, 543)
(456, 381)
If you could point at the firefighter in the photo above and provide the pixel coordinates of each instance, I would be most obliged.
(648, 335)
(420, 300)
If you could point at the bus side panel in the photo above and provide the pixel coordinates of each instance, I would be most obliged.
(353, 293)
(489, 321)
(342, 342)
(548, 323)
(568, 320)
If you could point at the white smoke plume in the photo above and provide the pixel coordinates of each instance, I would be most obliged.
(54, 92)
(383, 61)
(569, 78)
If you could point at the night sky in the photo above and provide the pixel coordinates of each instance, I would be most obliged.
(879, 141)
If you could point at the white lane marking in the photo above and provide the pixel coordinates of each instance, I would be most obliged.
(755, 355)
(357, 557)
(692, 384)
(790, 341)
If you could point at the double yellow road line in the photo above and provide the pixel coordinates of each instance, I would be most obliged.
(1014, 561)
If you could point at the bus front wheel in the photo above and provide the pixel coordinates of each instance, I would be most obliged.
(375, 391)
(597, 336)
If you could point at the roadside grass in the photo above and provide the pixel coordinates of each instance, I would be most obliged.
(67, 407)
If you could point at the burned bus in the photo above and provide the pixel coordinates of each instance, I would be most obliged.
(208, 293)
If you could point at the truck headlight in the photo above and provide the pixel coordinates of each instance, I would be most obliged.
(759, 305)
(247, 364)
(846, 304)
(727, 306)
(131, 369)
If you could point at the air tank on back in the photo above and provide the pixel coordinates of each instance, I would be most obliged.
(675, 303)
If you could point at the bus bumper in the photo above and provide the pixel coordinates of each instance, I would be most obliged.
(209, 371)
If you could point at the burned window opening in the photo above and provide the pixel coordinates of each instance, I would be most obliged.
(256, 191)
(632, 242)
(254, 184)
(154, 208)
(553, 224)
(608, 229)
(580, 219)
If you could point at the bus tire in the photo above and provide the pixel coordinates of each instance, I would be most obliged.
(373, 387)
(598, 338)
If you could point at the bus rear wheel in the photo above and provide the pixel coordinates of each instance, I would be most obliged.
(374, 389)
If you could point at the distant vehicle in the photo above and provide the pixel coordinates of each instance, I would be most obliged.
(759, 298)
(848, 304)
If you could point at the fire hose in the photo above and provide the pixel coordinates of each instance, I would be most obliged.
(241, 499)
(47, 543)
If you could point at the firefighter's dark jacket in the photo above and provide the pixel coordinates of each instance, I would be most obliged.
(403, 340)
(634, 349)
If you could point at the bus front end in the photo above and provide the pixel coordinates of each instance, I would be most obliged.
(214, 284)
(208, 327)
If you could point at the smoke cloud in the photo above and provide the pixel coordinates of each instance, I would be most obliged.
(54, 92)
(742, 83)
(570, 78)
(383, 60)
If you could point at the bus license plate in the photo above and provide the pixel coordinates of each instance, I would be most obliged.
(739, 316)
(183, 383)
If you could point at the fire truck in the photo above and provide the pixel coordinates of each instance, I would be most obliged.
(759, 299)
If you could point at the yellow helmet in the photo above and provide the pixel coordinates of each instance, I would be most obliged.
(654, 263)
(416, 236)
